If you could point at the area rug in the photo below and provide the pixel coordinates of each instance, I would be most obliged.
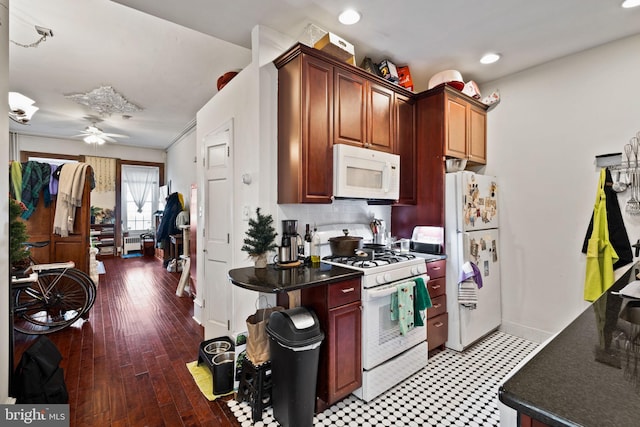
(203, 378)
(132, 255)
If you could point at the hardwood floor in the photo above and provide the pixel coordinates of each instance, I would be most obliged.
(125, 366)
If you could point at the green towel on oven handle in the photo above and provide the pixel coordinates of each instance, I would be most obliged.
(421, 301)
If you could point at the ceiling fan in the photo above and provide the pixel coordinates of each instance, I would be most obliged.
(94, 135)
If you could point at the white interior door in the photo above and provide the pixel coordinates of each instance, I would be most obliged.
(217, 230)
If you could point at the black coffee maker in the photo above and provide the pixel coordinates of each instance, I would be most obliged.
(288, 250)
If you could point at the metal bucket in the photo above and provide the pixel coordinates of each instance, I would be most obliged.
(216, 347)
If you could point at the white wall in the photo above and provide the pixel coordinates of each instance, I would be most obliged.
(236, 102)
(4, 203)
(181, 168)
(78, 147)
(542, 141)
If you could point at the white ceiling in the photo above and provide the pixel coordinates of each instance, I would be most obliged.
(170, 70)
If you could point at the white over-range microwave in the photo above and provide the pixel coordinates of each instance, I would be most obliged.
(365, 174)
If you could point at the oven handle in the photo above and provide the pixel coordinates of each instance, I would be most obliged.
(374, 294)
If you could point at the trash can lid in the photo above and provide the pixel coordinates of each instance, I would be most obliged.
(296, 327)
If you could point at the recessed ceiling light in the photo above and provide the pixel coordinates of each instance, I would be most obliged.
(490, 58)
(349, 17)
(630, 3)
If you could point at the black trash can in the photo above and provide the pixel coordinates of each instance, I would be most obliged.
(294, 344)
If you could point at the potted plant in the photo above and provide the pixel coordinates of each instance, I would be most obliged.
(260, 239)
(18, 253)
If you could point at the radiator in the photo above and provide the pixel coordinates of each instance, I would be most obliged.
(131, 243)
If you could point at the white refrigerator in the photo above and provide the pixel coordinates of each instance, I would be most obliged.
(471, 235)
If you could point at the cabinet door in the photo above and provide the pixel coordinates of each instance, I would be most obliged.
(455, 128)
(437, 331)
(317, 156)
(380, 108)
(406, 148)
(350, 109)
(477, 148)
(343, 349)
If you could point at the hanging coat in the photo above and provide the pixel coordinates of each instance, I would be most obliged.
(600, 253)
(617, 230)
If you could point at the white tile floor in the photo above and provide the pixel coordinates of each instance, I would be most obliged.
(455, 389)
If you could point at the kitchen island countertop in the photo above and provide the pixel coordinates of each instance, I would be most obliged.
(274, 280)
(587, 375)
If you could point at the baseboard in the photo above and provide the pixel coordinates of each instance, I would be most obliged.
(528, 333)
(197, 310)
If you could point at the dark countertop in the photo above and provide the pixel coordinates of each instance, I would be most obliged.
(584, 377)
(274, 280)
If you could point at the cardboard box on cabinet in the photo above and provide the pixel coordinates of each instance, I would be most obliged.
(404, 77)
(338, 47)
(388, 70)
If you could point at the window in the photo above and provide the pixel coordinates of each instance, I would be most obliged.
(139, 197)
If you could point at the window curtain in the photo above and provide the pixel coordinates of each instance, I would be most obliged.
(140, 180)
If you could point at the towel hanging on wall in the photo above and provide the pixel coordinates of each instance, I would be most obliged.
(601, 255)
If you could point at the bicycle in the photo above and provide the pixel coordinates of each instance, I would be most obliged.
(50, 297)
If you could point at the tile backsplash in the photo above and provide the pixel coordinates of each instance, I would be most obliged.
(338, 212)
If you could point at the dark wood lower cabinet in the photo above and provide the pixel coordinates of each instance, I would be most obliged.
(437, 331)
(527, 421)
(339, 311)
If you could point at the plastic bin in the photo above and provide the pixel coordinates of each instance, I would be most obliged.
(294, 343)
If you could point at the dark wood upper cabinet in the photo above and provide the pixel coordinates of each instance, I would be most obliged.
(321, 102)
(464, 122)
(305, 129)
(363, 112)
(406, 148)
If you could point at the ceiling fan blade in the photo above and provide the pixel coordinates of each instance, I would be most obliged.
(115, 135)
(107, 138)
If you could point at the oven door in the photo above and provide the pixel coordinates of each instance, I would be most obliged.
(381, 337)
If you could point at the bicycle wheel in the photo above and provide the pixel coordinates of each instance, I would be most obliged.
(91, 286)
(52, 303)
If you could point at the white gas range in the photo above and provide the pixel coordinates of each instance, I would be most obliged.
(388, 357)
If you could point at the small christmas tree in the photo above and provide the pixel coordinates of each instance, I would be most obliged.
(18, 253)
(260, 237)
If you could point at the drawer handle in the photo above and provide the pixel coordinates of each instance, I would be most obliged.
(436, 268)
(345, 291)
(438, 325)
(437, 306)
(435, 286)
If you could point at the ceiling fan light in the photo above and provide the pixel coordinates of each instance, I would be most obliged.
(627, 4)
(490, 58)
(93, 139)
(349, 17)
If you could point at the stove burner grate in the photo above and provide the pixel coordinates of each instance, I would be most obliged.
(386, 258)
